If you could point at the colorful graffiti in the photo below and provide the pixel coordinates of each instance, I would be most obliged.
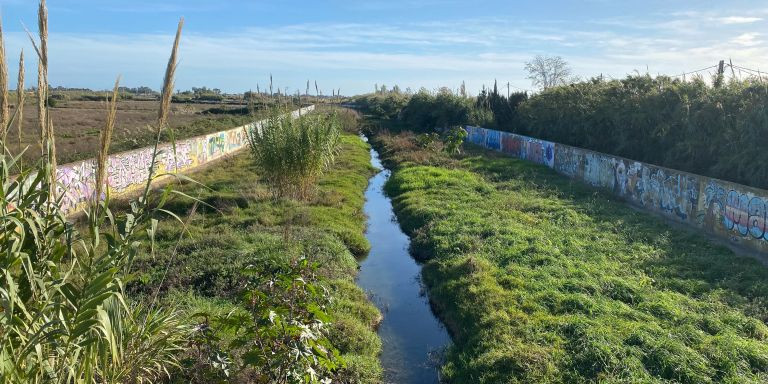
(128, 171)
(476, 135)
(534, 150)
(727, 210)
(511, 144)
(493, 140)
(739, 212)
(672, 193)
(76, 182)
(569, 161)
(538, 151)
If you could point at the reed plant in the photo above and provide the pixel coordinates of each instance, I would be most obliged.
(63, 315)
(292, 153)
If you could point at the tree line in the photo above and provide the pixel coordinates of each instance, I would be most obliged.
(718, 130)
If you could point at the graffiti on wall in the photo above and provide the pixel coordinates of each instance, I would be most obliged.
(727, 210)
(538, 151)
(599, 171)
(526, 148)
(736, 211)
(673, 193)
(569, 161)
(129, 170)
(511, 144)
(493, 140)
(76, 183)
(476, 135)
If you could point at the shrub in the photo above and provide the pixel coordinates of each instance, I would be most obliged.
(454, 139)
(691, 126)
(292, 153)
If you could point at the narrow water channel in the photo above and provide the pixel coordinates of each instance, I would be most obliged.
(410, 333)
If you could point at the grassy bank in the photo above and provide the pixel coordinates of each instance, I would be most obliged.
(546, 281)
(244, 230)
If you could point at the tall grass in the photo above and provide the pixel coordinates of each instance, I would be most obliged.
(292, 153)
(63, 315)
(20, 101)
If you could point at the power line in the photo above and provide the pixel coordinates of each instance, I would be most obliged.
(696, 71)
(747, 69)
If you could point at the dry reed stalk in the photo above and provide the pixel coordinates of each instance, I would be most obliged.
(20, 99)
(46, 123)
(168, 82)
(42, 77)
(105, 138)
(4, 115)
(41, 105)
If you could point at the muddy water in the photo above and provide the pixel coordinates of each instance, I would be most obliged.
(412, 337)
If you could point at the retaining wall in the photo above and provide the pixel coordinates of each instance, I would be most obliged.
(722, 209)
(128, 171)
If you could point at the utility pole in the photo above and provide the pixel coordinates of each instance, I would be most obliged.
(507, 90)
(733, 73)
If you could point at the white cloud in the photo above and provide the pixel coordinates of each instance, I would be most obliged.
(739, 20)
(748, 39)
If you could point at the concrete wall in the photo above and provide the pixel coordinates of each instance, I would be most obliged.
(729, 211)
(127, 171)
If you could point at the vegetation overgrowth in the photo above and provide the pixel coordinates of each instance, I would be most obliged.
(541, 280)
(292, 153)
(252, 263)
(65, 318)
(716, 130)
(104, 301)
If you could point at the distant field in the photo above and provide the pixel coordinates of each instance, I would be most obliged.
(77, 125)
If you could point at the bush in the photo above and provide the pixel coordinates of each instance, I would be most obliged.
(292, 153)
(454, 139)
(716, 131)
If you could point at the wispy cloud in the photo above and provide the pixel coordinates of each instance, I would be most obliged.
(413, 54)
(739, 20)
(748, 39)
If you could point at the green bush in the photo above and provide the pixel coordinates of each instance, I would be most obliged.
(691, 126)
(292, 153)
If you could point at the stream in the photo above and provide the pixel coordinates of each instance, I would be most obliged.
(412, 337)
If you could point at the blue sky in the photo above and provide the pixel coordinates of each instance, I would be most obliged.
(352, 45)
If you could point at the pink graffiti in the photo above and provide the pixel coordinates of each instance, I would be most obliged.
(76, 183)
(127, 169)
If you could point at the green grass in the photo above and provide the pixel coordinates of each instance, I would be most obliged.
(247, 226)
(542, 280)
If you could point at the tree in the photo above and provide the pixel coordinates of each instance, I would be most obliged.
(548, 71)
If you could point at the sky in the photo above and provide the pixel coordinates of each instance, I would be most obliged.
(354, 45)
